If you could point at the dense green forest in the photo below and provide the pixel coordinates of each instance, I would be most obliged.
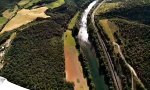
(86, 70)
(136, 38)
(132, 20)
(138, 13)
(35, 59)
(5, 4)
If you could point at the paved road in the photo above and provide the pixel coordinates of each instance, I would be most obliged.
(110, 64)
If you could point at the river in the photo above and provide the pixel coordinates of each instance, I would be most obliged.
(89, 51)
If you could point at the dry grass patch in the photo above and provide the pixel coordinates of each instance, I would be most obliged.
(109, 28)
(23, 17)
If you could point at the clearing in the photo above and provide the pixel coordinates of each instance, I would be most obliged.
(55, 4)
(106, 7)
(73, 67)
(23, 17)
(109, 28)
(2, 21)
(73, 21)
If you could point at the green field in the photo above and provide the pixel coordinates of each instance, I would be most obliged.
(23, 2)
(73, 21)
(2, 20)
(31, 3)
(69, 40)
(55, 4)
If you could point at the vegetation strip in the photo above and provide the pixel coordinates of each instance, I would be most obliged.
(55, 4)
(73, 68)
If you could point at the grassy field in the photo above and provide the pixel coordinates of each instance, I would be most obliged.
(23, 2)
(69, 40)
(109, 28)
(73, 21)
(106, 7)
(74, 71)
(2, 20)
(23, 17)
(55, 4)
(73, 67)
(31, 3)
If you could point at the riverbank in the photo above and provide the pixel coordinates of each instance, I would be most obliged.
(89, 51)
(73, 68)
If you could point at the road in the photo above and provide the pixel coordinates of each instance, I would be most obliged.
(115, 77)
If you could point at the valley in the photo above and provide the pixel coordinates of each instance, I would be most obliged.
(75, 44)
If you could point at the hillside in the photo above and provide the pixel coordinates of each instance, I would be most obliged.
(35, 59)
(75, 44)
(127, 23)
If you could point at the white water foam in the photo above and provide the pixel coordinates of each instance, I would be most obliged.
(83, 34)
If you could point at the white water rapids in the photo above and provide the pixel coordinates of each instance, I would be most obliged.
(83, 34)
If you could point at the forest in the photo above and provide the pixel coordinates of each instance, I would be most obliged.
(133, 37)
(35, 59)
(136, 38)
(4, 4)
